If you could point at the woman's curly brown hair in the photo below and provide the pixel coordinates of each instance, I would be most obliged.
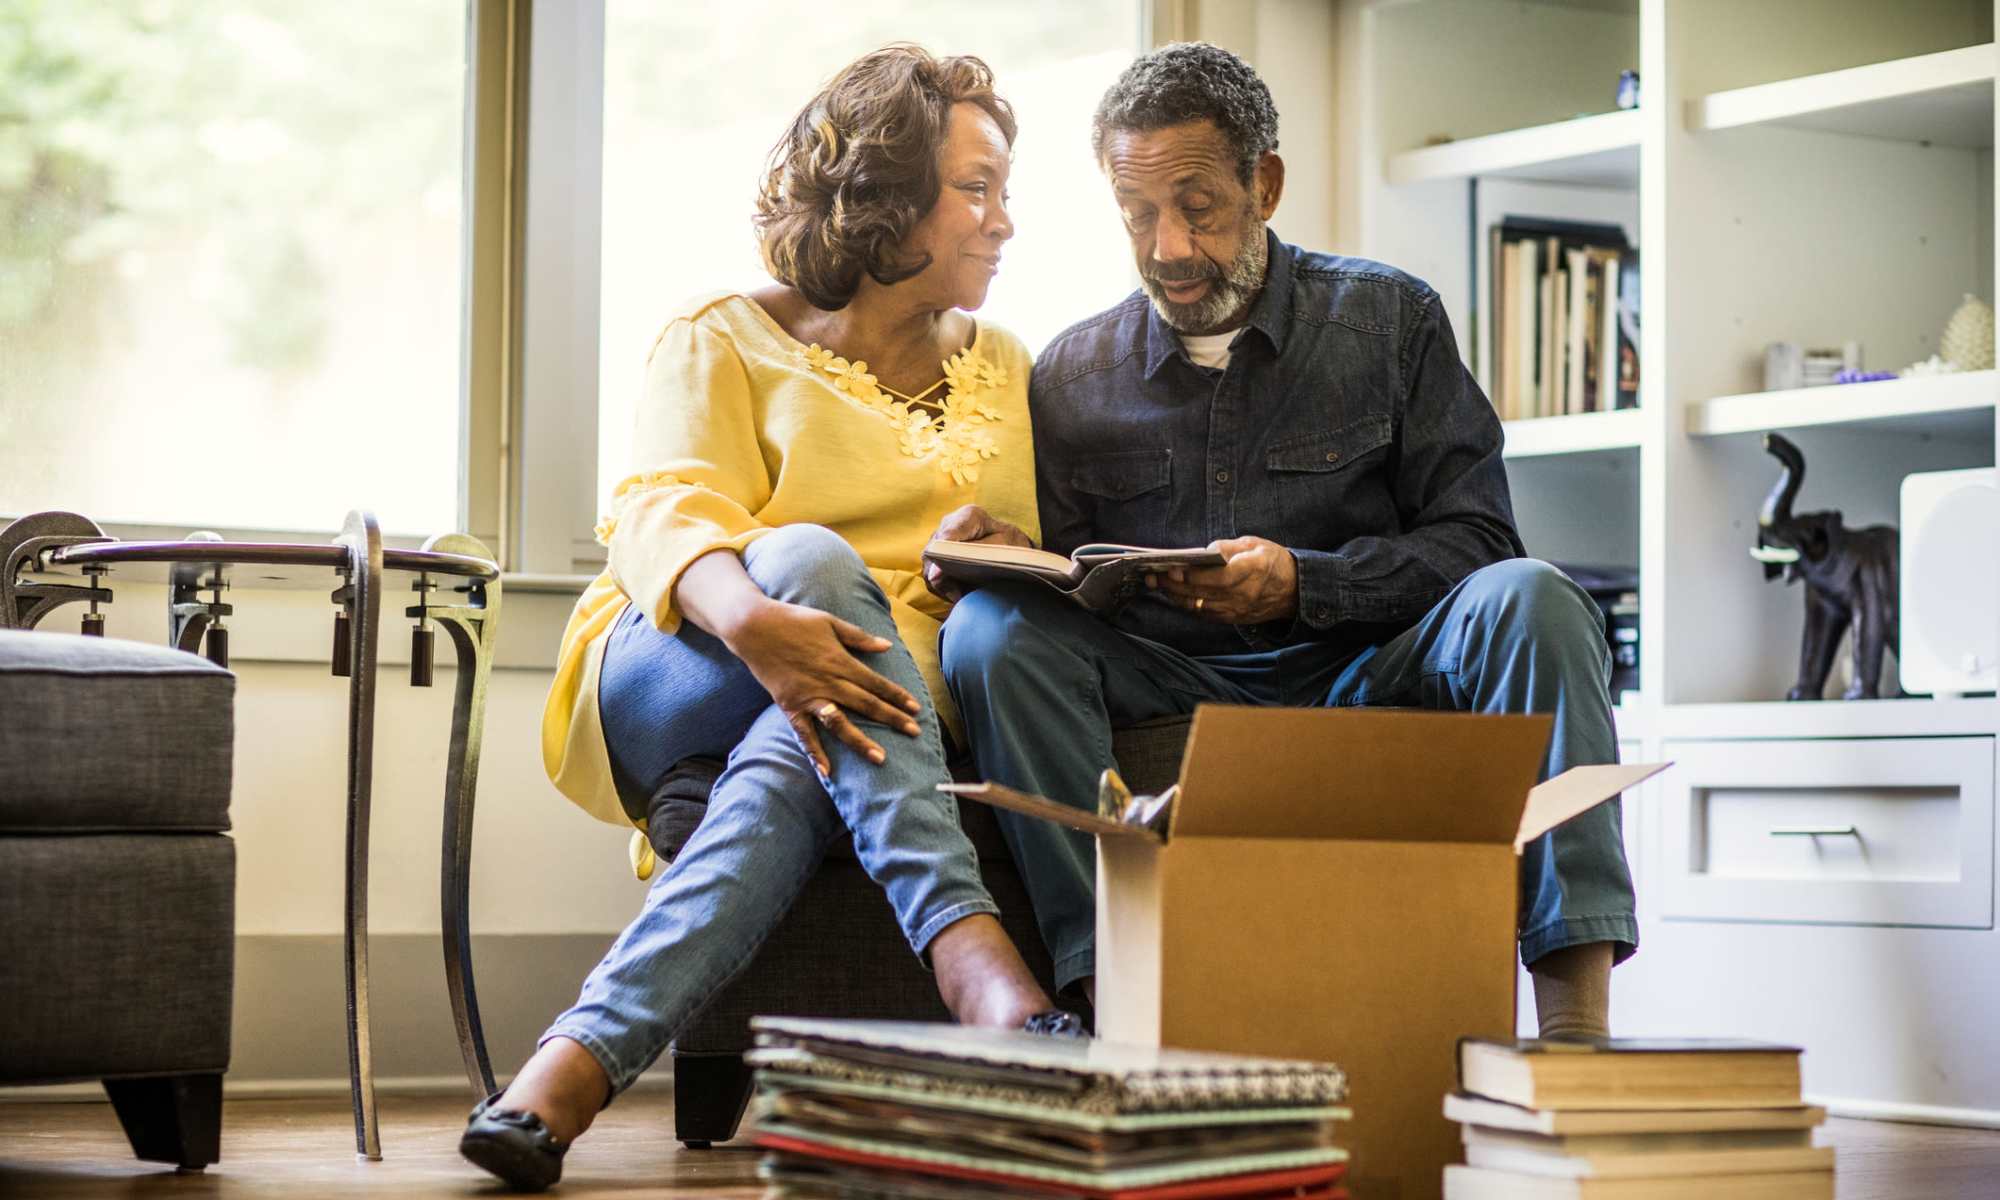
(858, 168)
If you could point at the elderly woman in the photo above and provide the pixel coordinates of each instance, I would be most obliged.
(764, 599)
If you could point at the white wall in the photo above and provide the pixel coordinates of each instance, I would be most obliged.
(1292, 44)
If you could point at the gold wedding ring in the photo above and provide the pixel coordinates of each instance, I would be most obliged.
(827, 712)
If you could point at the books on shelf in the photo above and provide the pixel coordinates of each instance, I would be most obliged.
(1101, 576)
(1564, 303)
(1634, 1120)
(942, 1112)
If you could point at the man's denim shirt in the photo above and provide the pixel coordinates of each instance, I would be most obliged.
(1345, 428)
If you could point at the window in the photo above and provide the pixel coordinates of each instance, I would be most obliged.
(695, 95)
(230, 260)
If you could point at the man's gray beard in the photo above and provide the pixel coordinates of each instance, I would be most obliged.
(1228, 297)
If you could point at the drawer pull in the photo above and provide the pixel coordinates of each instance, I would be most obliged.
(1815, 831)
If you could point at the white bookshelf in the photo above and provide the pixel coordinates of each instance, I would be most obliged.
(1775, 719)
(1592, 151)
(1582, 433)
(1811, 171)
(1944, 98)
(1953, 406)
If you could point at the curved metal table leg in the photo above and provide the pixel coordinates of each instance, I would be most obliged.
(362, 599)
(187, 617)
(474, 627)
(24, 604)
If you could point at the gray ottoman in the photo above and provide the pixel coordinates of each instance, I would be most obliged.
(117, 880)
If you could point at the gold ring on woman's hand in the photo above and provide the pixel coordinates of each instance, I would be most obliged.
(826, 712)
(1199, 601)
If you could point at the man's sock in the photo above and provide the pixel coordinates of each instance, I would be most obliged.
(1573, 991)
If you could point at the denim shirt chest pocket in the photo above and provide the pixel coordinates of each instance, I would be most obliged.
(1327, 478)
(1129, 491)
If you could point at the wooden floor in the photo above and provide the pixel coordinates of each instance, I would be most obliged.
(305, 1148)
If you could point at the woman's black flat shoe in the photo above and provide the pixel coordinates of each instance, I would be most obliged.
(513, 1146)
(1055, 1023)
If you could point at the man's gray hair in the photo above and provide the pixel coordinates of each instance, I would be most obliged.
(1190, 81)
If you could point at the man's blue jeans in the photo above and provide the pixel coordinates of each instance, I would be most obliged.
(769, 817)
(1042, 683)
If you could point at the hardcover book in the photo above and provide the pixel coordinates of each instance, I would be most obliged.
(1491, 1115)
(1617, 1073)
(1101, 576)
(1485, 1183)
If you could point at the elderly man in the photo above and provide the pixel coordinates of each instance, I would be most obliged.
(1308, 416)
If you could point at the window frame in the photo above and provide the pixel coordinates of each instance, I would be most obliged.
(547, 438)
(532, 464)
(489, 287)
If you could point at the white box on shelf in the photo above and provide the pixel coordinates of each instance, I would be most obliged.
(1950, 642)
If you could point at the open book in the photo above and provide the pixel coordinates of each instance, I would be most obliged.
(1101, 576)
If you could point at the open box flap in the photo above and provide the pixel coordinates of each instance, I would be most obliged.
(1361, 774)
(1577, 790)
(1001, 796)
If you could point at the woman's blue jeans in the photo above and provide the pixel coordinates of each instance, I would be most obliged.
(1041, 684)
(770, 817)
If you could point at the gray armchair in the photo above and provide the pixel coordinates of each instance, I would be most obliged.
(839, 952)
(118, 881)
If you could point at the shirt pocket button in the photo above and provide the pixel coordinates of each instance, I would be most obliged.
(1333, 456)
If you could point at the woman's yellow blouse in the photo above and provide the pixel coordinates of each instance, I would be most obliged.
(741, 430)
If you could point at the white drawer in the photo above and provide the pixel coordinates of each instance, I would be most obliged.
(1878, 831)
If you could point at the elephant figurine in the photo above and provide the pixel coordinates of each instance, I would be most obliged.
(1850, 578)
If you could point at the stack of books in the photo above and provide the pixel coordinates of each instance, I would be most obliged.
(941, 1112)
(1563, 318)
(1635, 1120)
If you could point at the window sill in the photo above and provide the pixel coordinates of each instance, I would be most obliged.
(529, 583)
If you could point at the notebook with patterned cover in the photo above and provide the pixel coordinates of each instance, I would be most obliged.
(1075, 1074)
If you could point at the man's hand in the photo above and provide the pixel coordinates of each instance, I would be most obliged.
(969, 524)
(1259, 583)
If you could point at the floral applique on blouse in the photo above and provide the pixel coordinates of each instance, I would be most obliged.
(644, 481)
(954, 436)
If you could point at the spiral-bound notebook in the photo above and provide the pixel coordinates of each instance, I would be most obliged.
(1064, 1074)
(939, 1112)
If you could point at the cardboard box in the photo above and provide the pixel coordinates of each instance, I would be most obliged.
(1334, 884)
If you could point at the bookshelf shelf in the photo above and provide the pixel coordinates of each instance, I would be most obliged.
(1945, 99)
(1915, 716)
(1940, 405)
(1596, 151)
(1579, 433)
(1813, 171)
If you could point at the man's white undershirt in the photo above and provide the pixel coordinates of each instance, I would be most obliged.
(1211, 350)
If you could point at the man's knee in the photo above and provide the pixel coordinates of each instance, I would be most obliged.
(977, 634)
(993, 632)
(1528, 599)
(809, 565)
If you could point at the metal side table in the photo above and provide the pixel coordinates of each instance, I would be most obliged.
(54, 558)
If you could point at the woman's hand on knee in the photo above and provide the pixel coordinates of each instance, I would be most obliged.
(806, 659)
